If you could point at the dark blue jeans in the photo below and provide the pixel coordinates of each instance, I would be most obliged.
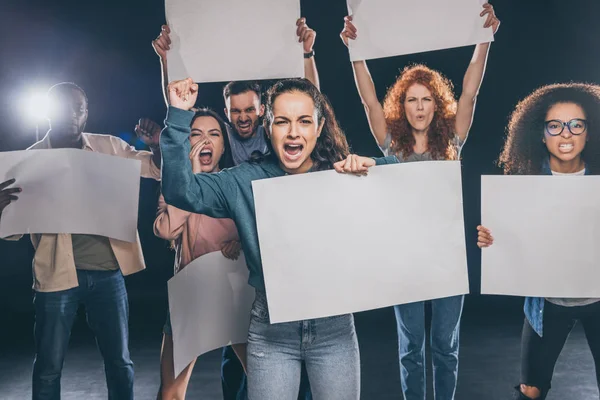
(104, 296)
(233, 379)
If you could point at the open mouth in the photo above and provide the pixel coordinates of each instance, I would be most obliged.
(206, 157)
(244, 126)
(293, 151)
(565, 147)
(420, 118)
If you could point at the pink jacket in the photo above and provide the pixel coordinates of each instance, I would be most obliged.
(194, 234)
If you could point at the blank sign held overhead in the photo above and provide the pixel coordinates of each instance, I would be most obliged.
(230, 40)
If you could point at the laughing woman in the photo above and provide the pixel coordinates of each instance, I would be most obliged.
(420, 120)
(303, 136)
(554, 131)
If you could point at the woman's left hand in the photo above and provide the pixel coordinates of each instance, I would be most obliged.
(491, 20)
(231, 250)
(354, 164)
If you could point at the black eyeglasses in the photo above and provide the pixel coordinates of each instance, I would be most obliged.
(576, 126)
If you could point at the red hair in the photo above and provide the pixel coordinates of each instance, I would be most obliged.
(442, 128)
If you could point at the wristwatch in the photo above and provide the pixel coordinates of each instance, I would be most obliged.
(309, 54)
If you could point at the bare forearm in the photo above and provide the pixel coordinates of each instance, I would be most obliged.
(310, 71)
(475, 71)
(368, 96)
(164, 79)
(471, 84)
(364, 83)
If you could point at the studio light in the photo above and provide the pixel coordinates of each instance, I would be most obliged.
(35, 106)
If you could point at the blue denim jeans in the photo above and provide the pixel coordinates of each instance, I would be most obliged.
(445, 327)
(104, 296)
(328, 347)
(234, 381)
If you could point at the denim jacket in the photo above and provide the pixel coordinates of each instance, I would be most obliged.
(534, 306)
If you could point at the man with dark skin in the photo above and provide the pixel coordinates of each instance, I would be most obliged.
(74, 269)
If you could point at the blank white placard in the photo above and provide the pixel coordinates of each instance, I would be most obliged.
(230, 40)
(333, 244)
(546, 232)
(71, 191)
(209, 302)
(388, 28)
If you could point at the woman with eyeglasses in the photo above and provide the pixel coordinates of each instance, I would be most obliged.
(553, 131)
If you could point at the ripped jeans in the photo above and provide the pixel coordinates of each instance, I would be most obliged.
(328, 347)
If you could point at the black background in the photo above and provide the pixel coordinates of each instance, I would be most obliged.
(105, 47)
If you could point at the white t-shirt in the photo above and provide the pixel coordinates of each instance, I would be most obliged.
(565, 302)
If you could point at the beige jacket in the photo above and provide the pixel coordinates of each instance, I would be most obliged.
(53, 264)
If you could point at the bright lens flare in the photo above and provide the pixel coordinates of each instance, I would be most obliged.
(35, 105)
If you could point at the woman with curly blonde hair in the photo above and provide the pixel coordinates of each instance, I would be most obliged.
(420, 120)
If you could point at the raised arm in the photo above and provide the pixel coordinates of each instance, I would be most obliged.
(161, 45)
(473, 78)
(149, 160)
(149, 132)
(307, 37)
(209, 194)
(366, 88)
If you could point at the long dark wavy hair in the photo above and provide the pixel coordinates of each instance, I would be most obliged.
(524, 152)
(442, 128)
(226, 160)
(331, 145)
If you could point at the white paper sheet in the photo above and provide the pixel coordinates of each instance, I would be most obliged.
(210, 302)
(388, 28)
(230, 40)
(333, 244)
(546, 232)
(71, 191)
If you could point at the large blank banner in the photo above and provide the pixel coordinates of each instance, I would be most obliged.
(230, 40)
(209, 302)
(546, 233)
(388, 28)
(333, 244)
(71, 191)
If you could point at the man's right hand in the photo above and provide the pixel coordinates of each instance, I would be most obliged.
(162, 43)
(7, 195)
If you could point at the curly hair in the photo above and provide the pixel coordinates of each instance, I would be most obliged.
(331, 145)
(443, 124)
(524, 151)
